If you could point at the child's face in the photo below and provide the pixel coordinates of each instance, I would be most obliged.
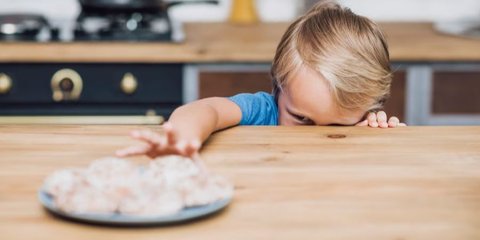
(306, 100)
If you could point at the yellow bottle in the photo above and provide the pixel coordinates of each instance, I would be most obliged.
(243, 12)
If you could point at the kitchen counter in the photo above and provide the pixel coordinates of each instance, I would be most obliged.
(291, 183)
(221, 42)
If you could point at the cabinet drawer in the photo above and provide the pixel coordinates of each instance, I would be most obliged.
(101, 83)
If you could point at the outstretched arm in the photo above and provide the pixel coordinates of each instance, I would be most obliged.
(188, 127)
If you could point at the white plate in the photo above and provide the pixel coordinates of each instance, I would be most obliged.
(184, 215)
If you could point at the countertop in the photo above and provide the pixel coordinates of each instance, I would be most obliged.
(222, 42)
(291, 182)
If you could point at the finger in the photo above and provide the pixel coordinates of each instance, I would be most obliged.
(393, 122)
(181, 147)
(363, 123)
(372, 120)
(149, 137)
(132, 151)
(171, 136)
(152, 154)
(382, 119)
(192, 148)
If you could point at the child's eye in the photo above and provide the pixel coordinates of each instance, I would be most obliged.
(303, 119)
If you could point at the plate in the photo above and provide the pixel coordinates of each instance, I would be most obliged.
(185, 215)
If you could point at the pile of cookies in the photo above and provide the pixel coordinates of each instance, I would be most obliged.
(163, 187)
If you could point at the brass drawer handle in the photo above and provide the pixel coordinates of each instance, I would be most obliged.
(5, 83)
(66, 85)
(129, 84)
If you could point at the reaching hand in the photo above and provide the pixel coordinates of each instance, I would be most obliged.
(379, 119)
(157, 145)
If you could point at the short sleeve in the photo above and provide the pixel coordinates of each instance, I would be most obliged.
(257, 109)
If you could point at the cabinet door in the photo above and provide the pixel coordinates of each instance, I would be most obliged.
(456, 92)
(225, 84)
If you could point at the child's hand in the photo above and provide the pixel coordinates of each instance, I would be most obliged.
(158, 145)
(379, 119)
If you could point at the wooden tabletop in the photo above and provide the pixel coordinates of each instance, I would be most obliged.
(291, 183)
(222, 42)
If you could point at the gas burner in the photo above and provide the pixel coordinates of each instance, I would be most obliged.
(22, 27)
(124, 27)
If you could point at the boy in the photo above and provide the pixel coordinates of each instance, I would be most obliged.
(331, 68)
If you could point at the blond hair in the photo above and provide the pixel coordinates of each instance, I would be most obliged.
(348, 50)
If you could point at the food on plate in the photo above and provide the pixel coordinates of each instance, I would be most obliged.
(111, 185)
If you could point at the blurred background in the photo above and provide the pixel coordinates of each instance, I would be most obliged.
(277, 10)
(134, 61)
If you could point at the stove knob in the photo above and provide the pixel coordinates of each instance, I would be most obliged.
(129, 84)
(66, 85)
(5, 83)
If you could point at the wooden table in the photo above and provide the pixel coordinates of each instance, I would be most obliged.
(222, 42)
(291, 183)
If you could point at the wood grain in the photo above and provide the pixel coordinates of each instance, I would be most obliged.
(223, 42)
(291, 183)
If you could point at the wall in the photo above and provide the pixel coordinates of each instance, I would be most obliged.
(416, 10)
(385, 10)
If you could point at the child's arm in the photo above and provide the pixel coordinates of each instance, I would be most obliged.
(379, 119)
(188, 127)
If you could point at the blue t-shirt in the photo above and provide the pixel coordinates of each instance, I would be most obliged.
(257, 109)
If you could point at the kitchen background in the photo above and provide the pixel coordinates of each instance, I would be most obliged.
(451, 96)
(278, 10)
(380, 10)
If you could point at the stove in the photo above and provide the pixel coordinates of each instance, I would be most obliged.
(102, 20)
(133, 26)
(126, 27)
(23, 27)
(33, 92)
(145, 26)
